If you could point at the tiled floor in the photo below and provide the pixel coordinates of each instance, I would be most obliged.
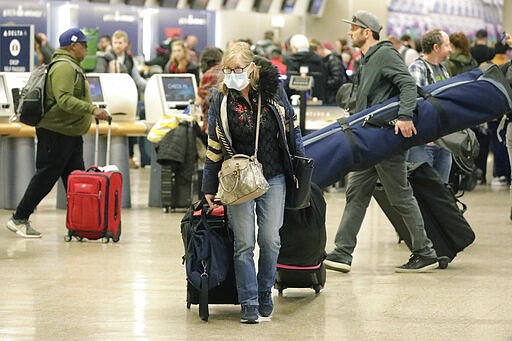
(135, 289)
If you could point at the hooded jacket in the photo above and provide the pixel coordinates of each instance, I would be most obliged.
(383, 75)
(219, 142)
(68, 97)
(458, 63)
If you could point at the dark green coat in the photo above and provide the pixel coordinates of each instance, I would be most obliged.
(385, 75)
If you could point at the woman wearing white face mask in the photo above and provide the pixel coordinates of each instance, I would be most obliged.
(246, 78)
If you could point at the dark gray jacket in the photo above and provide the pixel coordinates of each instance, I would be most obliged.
(385, 75)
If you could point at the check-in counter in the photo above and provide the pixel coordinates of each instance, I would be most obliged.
(17, 149)
(17, 162)
(116, 93)
(166, 95)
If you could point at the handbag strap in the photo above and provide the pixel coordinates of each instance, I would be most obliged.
(258, 120)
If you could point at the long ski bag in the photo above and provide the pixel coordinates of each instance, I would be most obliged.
(303, 238)
(366, 138)
(94, 200)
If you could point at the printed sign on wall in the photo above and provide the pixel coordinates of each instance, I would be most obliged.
(16, 48)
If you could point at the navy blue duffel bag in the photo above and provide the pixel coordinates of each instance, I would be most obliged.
(363, 139)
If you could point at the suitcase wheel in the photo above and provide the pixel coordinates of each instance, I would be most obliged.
(279, 287)
(115, 239)
(317, 288)
(105, 240)
(188, 305)
(166, 209)
(67, 238)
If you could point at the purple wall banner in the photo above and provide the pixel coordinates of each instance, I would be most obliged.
(110, 18)
(24, 13)
(186, 21)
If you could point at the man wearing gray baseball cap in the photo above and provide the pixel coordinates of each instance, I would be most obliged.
(383, 75)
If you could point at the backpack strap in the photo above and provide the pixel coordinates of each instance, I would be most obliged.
(78, 70)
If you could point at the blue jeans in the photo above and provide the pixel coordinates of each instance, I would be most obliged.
(439, 158)
(269, 214)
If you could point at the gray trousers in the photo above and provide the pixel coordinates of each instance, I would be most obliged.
(392, 173)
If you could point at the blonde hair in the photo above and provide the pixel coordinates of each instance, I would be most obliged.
(180, 64)
(240, 52)
(120, 34)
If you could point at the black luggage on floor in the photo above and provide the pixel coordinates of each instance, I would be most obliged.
(303, 238)
(177, 153)
(444, 222)
(225, 292)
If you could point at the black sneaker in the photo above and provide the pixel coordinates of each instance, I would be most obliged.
(333, 262)
(266, 306)
(418, 263)
(249, 314)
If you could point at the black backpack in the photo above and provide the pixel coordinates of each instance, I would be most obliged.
(31, 108)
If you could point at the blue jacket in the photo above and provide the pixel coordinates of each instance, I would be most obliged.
(219, 145)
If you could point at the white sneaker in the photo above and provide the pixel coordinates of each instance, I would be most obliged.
(499, 181)
(22, 228)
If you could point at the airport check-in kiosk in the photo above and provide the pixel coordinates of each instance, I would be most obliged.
(17, 144)
(166, 95)
(116, 93)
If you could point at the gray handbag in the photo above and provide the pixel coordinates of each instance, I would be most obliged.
(462, 143)
(241, 176)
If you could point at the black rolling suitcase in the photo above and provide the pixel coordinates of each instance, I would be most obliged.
(176, 191)
(177, 153)
(221, 289)
(444, 222)
(303, 237)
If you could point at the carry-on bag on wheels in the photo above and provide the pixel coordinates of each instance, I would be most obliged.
(94, 199)
(444, 222)
(303, 238)
(208, 244)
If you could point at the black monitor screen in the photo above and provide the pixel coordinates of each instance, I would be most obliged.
(287, 6)
(198, 4)
(169, 3)
(95, 88)
(315, 6)
(3, 91)
(179, 89)
(262, 6)
(230, 4)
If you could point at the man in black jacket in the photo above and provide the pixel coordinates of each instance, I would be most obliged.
(481, 52)
(302, 57)
(335, 72)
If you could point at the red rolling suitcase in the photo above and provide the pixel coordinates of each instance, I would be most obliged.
(94, 200)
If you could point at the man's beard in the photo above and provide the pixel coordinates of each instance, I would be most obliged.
(359, 42)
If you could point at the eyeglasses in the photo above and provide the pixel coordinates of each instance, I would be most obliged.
(237, 70)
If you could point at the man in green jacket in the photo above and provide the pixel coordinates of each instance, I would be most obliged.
(383, 75)
(59, 134)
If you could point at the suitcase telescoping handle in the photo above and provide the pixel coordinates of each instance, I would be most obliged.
(96, 143)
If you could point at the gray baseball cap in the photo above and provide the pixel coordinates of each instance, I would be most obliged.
(365, 19)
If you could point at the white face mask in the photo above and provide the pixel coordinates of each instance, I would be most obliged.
(236, 81)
